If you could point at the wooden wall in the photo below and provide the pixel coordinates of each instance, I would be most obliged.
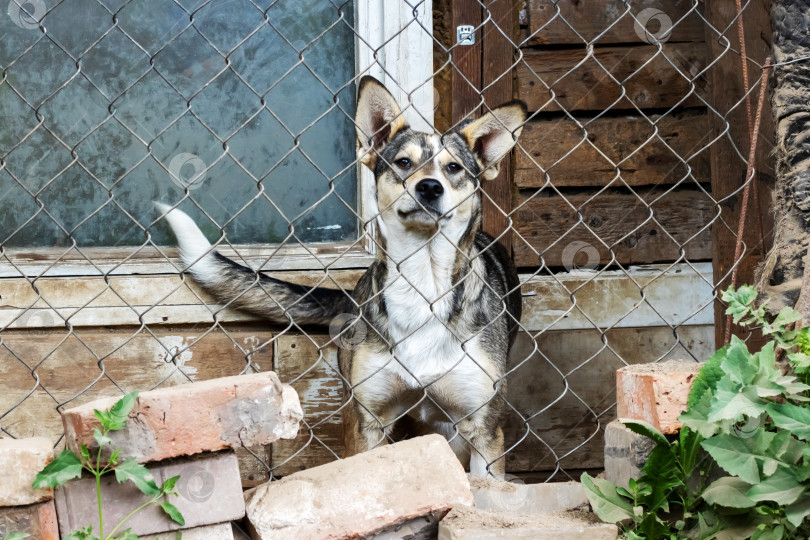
(600, 162)
(561, 389)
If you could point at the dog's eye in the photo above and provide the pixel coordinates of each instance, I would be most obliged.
(453, 167)
(403, 163)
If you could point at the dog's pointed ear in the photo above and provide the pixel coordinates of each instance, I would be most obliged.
(378, 119)
(493, 135)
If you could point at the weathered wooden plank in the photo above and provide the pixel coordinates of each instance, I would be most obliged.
(72, 369)
(549, 227)
(644, 78)
(729, 154)
(94, 301)
(573, 426)
(643, 157)
(498, 52)
(608, 20)
(311, 369)
(643, 297)
(149, 260)
(553, 294)
(532, 385)
(466, 61)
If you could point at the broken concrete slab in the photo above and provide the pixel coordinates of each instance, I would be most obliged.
(207, 416)
(209, 492)
(512, 495)
(362, 495)
(626, 453)
(474, 524)
(37, 520)
(20, 461)
(220, 531)
(655, 393)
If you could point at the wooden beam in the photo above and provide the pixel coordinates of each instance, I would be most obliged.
(550, 227)
(727, 166)
(499, 34)
(551, 23)
(572, 159)
(466, 59)
(649, 79)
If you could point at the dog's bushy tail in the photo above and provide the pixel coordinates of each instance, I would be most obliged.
(243, 288)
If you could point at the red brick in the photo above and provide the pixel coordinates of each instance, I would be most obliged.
(655, 393)
(200, 417)
(20, 461)
(361, 495)
(210, 492)
(38, 520)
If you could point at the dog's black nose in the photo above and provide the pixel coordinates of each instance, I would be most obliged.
(429, 189)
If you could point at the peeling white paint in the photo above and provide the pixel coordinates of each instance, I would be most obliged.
(166, 364)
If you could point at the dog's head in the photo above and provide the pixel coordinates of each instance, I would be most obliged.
(427, 181)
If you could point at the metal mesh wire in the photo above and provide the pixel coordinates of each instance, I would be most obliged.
(580, 286)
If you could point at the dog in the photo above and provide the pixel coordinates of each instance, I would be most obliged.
(440, 305)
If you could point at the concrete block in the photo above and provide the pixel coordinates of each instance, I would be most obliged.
(625, 453)
(220, 531)
(655, 393)
(362, 495)
(210, 492)
(475, 524)
(38, 520)
(515, 496)
(20, 461)
(206, 416)
(421, 528)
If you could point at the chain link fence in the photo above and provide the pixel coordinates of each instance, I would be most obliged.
(241, 112)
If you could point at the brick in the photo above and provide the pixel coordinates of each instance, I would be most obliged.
(475, 524)
(206, 416)
(362, 495)
(220, 531)
(38, 520)
(625, 453)
(655, 393)
(515, 496)
(210, 492)
(20, 461)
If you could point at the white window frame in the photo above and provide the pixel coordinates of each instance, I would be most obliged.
(403, 62)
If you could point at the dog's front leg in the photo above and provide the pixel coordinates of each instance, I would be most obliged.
(362, 428)
(486, 446)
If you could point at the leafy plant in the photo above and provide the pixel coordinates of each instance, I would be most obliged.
(68, 466)
(740, 466)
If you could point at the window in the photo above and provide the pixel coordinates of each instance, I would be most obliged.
(242, 111)
(251, 119)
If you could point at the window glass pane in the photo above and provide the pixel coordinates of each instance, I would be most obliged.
(251, 116)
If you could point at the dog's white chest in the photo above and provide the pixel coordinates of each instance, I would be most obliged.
(424, 347)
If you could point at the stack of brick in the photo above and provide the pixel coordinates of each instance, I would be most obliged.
(189, 431)
(24, 509)
(416, 490)
(653, 393)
